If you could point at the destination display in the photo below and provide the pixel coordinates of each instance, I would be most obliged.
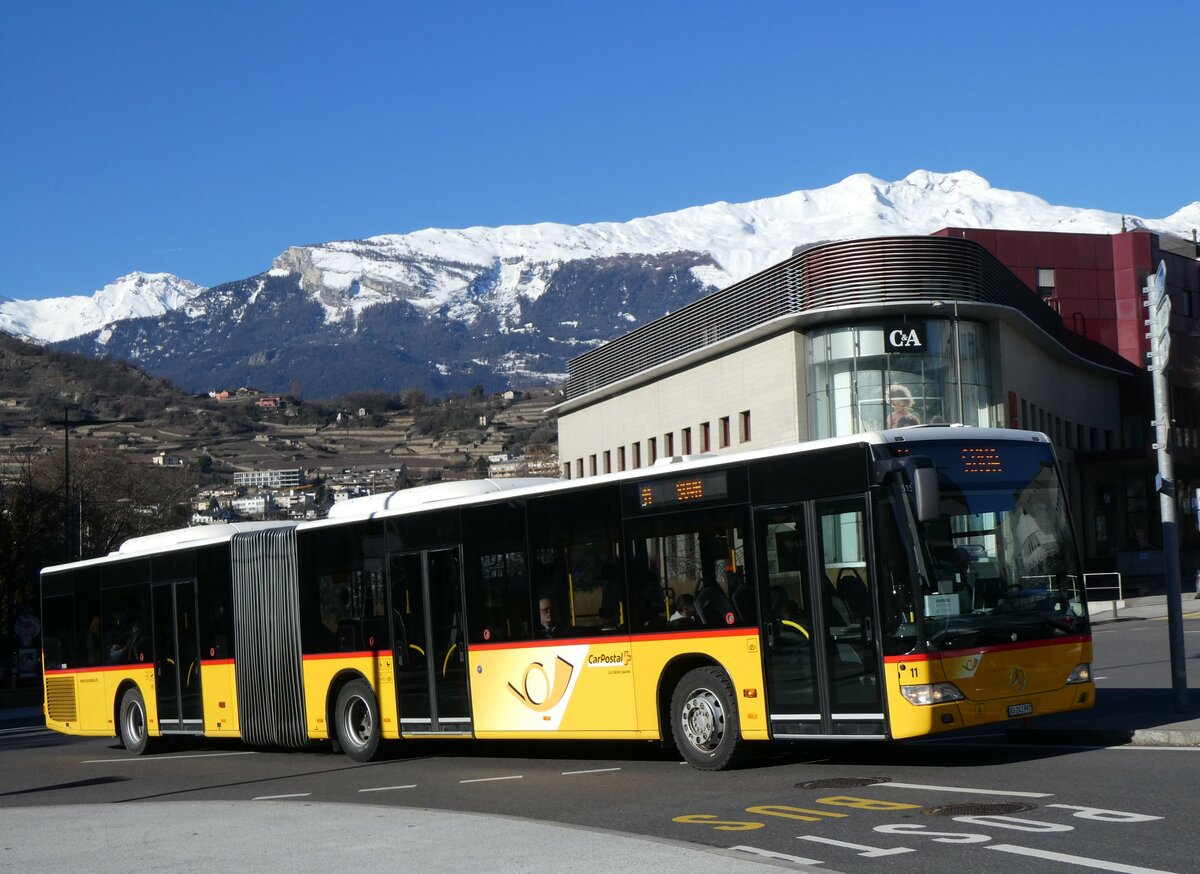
(697, 487)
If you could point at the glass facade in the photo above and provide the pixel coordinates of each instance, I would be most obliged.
(856, 384)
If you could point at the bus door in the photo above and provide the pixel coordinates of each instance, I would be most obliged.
(821, 654)
(176, 658)
(428, 642)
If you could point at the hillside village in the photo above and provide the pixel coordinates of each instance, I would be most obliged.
(289, 469)
(257, 455)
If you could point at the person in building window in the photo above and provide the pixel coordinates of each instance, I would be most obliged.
(902, 414)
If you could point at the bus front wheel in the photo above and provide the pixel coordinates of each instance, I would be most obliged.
(704, 719)
(131, 722)
(356, 721)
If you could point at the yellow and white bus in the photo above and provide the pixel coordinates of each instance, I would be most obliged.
(891, 585)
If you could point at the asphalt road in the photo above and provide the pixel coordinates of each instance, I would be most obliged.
(983, 803)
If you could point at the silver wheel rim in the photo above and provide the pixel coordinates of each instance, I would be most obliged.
(357, 721)
(703, 720)
(135, 723)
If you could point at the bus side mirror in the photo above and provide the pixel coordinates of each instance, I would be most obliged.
(926, 494)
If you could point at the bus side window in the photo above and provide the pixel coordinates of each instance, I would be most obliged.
(496, 573)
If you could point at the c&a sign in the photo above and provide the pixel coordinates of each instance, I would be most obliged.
(906, 337)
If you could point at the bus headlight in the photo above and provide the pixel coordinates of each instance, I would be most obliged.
(1081, 674)
(935, 693)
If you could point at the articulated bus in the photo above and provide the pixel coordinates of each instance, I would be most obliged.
(891, 585)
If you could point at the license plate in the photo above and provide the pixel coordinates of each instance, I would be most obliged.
(1020, 710)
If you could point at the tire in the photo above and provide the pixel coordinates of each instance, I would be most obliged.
(131, 722)
(356, 721)
(704, 719)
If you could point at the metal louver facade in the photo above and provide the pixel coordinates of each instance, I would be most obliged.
(270, 682)
(886, 270)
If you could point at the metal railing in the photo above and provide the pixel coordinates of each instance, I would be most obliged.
(1113, 589)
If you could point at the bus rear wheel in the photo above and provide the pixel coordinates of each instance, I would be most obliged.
(704, 719)
(356, 721)
(131, 722)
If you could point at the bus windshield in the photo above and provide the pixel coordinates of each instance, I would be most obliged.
(1002, 552)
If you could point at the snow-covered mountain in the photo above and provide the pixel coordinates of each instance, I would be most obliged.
(446, 309)
(130, 297)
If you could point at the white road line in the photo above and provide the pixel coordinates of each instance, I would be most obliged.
(1157, 749)
(864, 851)
(388, 788)
(771, 854)
(591, 771)
(491, 779)
(965, 790)
(132, 759)
(274, 797)
(1099, 864)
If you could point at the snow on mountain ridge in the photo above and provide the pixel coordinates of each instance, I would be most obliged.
(467, 271)
(494, 272)
(132, 296)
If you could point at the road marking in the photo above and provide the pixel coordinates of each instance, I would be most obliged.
(491, 779)
(274, 797)
(865, 851)
(1157, 749)
(388, 788)
(965, 790)
(771, 854)
(132, 759)
(590, 771)
(1099, 864)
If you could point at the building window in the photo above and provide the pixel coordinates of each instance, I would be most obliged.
(669, 445)
(1045, 285)
(566, 470)
(579, 468)
(856, 385)
(591, 465)
(724, 436)
(744, 427)
(652, 450)
(608, 461)
(685, 438)
(637, 455)
(705, 437)
(620, 458)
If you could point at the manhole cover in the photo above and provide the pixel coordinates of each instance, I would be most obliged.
(842, 782)
(998, 808)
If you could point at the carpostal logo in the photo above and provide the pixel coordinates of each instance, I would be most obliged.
(608, 659)
(541, 692)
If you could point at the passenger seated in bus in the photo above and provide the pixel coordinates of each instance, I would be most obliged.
(546, 627)
(135, 651)
(684, 615)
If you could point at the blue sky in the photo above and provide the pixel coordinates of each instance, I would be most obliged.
(203, 139)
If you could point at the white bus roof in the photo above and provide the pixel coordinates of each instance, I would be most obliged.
(467, 492)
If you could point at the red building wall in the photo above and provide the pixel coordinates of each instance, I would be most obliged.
(1098, 279)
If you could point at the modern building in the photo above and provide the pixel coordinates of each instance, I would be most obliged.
(995, 328)
(271, 479)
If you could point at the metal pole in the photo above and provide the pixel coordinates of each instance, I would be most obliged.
(67, 481)
(1160, 345)
(962, 412)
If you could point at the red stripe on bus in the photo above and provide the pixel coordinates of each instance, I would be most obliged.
(984, 650)
(124, 666)
(619, 638)
(207, 662)
(362, 654)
